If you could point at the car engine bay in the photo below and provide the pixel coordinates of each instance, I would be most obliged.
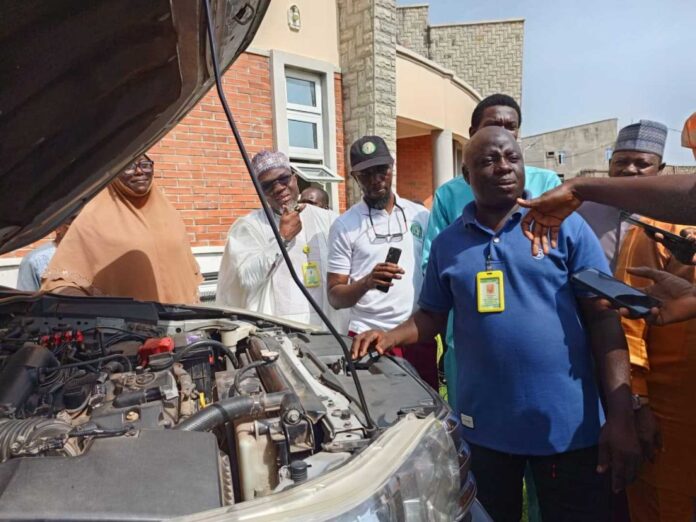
(216, 408)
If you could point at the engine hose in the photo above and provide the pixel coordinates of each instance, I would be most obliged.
(227, 410)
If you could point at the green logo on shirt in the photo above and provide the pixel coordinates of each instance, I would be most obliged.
(417, 230)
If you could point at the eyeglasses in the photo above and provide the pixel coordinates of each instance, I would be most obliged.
(389, 237)
(267, 186)
(144, 165)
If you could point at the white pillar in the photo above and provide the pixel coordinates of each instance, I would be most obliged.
(443, 160)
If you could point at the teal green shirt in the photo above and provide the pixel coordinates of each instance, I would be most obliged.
(448, 203)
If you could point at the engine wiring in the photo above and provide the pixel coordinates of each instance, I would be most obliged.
(371, 426)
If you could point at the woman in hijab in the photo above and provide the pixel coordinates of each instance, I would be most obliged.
(128, 242)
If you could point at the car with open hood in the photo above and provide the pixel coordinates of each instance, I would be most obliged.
(116, 409)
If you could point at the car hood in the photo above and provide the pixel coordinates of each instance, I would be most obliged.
(88, 86)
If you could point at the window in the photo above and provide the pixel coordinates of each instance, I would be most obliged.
(550, 154)
(305, 117)
(561, 157)
(607, 153)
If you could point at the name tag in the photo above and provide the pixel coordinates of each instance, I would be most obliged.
(490, 291)
(311, 275)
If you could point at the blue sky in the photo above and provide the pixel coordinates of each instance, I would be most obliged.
(590, 60)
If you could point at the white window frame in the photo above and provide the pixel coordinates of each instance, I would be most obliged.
(305, 152)
(322, 73)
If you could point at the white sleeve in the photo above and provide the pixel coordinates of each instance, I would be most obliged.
(340, 249)
(252, 257)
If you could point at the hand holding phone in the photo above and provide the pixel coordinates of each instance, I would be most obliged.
(683, 247)
(384, 273)
(618, 293)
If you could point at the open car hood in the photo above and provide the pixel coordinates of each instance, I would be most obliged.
(88, 86)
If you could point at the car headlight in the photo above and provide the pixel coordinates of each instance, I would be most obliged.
(410, 473)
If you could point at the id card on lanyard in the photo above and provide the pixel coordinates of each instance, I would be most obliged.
(490, 291)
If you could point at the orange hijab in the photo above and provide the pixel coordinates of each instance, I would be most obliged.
(128, 246)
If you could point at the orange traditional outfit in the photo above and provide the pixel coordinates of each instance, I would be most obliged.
(663, 363)
(127, 245)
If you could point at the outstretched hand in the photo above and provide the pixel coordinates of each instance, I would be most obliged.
(677, 295)
(546, 213)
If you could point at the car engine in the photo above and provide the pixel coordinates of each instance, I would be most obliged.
(208, 411)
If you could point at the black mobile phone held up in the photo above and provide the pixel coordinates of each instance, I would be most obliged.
(618, 293)
(392, 257)
(682, 249)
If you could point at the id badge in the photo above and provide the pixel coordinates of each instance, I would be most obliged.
(311, 275)
(490, 291)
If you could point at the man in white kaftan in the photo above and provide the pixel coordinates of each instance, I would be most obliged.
(253, 274)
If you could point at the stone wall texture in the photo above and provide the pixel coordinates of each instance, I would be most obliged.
(413, 28)
(367, 47)
(486, 55)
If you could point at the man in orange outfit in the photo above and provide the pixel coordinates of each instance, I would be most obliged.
(663, 364)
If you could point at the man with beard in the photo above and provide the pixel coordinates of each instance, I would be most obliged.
(525, 341)
(359, 242)
(253, 274)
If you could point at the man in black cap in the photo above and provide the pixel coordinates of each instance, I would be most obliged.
(359, 242)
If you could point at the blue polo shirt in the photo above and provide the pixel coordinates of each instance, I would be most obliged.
(525, 380)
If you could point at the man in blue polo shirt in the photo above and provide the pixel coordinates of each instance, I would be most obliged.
(498, 110)
(524, 343)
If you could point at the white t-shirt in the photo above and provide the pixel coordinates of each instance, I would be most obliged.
(354, 250)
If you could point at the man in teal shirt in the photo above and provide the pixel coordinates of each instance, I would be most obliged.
(450, 199)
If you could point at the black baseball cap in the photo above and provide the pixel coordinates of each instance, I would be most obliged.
(369, 151)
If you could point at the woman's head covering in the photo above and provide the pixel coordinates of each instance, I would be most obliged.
(689, 134)
(127, 246)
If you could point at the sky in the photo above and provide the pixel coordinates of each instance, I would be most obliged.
(591, 60)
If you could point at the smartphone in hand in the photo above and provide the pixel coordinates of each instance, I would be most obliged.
(616, 292)
(393, 256)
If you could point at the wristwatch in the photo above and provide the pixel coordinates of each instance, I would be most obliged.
(638, 401)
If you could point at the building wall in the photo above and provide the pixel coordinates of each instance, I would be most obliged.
(413, 28)
(584, 147)
(367, 46)
(414, 164)
(487, 55)
(318, 34)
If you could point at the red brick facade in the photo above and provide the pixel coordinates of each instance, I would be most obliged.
(414, 167)
(198, 165)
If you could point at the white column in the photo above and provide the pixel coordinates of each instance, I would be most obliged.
(443, 160)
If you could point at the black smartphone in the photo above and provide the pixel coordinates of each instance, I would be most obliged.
(682, 249)
(617, 292)
(392, 257)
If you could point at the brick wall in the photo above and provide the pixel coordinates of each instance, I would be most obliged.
(415, 167)
(198, 165)
(486, 55)
(413, 28)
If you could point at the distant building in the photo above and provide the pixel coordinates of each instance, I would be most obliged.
(583, 150)
(573, 151)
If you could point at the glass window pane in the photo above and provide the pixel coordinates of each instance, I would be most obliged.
(302, 134)
(301, 92)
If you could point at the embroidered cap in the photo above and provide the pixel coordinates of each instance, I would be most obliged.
(268, 159)
(644, 136)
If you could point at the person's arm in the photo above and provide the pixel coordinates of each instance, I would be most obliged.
(26, 276)
(436, 224)
(422, 326)
(618, 446)
(678, 296)
(666, 198)
(344, 294)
